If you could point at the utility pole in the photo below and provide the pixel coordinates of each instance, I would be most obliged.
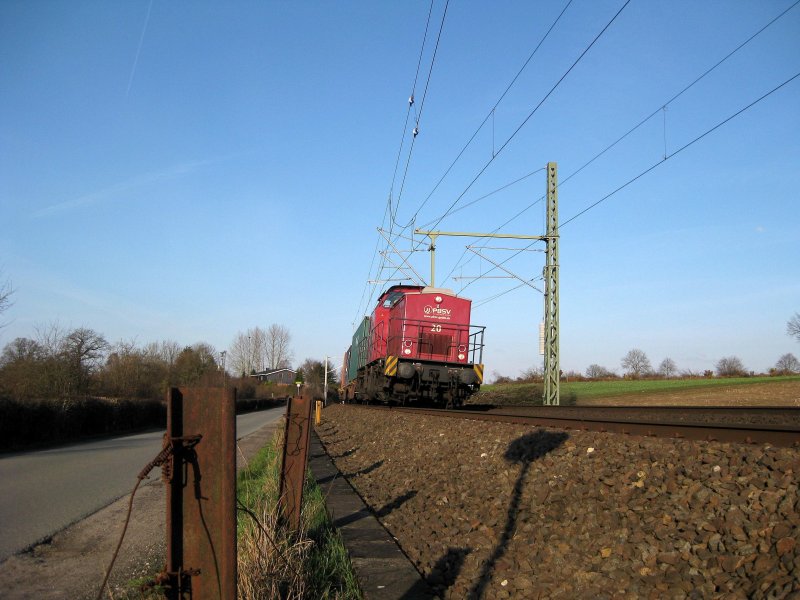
(325, 395)
(551, 352)
(552, 373)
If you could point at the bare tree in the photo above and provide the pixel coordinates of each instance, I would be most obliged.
(279, 353)
(534, 373)
(598, 372)
(22, 373)
(787, 364)
(195, 363)
(239, 355)
(313, 374)
(50, 337)
(667, 368)
(258, 343)
(20, 349)
(166, 350)
(636, 363)
(83, 349)
(730, 366)
(248, 351)
(793, 326)
(5, 298)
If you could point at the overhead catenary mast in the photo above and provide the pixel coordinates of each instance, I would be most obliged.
(551, 352)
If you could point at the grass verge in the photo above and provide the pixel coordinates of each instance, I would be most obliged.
(511, 394)
(274, 562)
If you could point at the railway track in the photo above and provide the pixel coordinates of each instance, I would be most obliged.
(756, 425)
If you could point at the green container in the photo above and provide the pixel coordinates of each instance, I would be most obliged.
(358, 350)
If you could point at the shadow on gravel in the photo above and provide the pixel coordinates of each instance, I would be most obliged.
(394, 504)
(365, 470)
(442, 576)
(347, 453)
(523, 450)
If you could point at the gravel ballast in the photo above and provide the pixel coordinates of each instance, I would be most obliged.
(496, 510)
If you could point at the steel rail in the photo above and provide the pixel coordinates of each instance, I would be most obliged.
(738, 433)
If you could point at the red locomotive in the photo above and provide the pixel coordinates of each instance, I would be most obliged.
(417, 345)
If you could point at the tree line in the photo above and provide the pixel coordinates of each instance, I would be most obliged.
(73, 363)
(636, 365)
(62, 363)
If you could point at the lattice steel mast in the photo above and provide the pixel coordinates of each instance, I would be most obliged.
(551, 359)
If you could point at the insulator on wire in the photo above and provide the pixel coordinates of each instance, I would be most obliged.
(411, 100)
(416, 131)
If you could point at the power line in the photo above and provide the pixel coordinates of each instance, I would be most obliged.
(642, 121)
(536, 108)
(419, 116)
(492, 193)
(662, 161)
(527, 118)
(681, 149)
(388, 210)
(678, 95)
(542, 101)
(491, 111)
(410, 104)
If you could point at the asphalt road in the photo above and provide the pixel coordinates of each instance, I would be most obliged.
(44, 491)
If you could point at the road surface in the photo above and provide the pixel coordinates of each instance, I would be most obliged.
(44, 491)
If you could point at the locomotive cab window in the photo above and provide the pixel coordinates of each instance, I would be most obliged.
(392, 299)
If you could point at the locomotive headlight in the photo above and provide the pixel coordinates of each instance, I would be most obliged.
(438, 299)
(467, 377)
(407, 351)
(462, 348)
(407, 343)
(405, 370)
(460, 357)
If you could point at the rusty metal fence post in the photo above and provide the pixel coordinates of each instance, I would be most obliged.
(295, 457)
(201, 494)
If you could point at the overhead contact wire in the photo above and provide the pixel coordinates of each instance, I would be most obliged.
(396, 165)
(536, 108)
(491, 111)
(661, 162)
(419, 118)
(644, 120)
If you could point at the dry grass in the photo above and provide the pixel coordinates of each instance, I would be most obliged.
(274, 562)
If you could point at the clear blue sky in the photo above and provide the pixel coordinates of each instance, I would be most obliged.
(187, 170)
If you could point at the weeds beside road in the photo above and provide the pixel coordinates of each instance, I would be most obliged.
(274, 562)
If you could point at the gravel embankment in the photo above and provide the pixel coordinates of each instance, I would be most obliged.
(495, 510)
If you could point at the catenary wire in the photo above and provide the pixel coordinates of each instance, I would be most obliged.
(682, 148)
(410, 104)
(536, 108)
(642, 122)
(419, 117)
(528, 117)
(662, 161)
(491, 111)
(413, 139)
(397, 162)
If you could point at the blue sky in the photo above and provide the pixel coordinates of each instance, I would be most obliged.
(177, 170)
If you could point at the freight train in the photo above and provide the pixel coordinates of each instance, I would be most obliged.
(417, 346)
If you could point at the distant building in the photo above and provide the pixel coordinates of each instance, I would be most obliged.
(276, 375)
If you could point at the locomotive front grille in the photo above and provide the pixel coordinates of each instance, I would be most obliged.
(435, 343)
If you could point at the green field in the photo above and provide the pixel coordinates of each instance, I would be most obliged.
(578, 391)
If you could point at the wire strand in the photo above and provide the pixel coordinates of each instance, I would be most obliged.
(491, 111)
(662, 161)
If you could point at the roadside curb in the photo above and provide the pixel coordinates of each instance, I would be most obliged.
(383, 571)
